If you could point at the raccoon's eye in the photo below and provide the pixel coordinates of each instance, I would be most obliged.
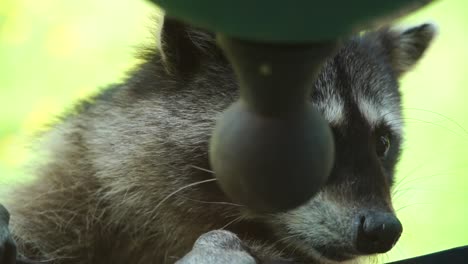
(382, 145)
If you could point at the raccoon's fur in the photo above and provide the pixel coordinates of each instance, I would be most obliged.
(127, 179)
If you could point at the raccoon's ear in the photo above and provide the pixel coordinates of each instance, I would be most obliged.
(183, 48)
(406, 47)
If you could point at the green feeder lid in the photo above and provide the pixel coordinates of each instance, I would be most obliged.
(292, 21)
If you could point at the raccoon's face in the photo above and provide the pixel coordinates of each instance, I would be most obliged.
(357, 92)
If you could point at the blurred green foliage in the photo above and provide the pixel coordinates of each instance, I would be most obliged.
(55, 52)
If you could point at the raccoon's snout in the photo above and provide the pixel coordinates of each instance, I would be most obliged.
(377, 232)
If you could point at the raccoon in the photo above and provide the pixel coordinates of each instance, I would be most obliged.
(126, 178)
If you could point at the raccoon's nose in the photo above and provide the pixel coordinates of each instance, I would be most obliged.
(378, 232)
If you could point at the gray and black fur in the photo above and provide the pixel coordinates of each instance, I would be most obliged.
(127, 179)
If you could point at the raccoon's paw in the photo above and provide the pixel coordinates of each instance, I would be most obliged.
(218, 246)
(221, 246)
(7, 244)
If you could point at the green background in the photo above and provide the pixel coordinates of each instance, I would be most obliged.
(55, 52)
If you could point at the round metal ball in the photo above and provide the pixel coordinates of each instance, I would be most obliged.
(271, 164)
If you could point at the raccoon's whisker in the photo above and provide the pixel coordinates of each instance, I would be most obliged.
(427, 111)
(398, 248)
(52, 259)
(398, 191)
(292, 249)
(207, 202)
(420, 121)
(419, 189)
(295, 248)
(237, 219)
(181, 189)
(402, 192)
(411, 191)
(414, 179)
(406, 177)
(281, 252)
(284, 238)
(202, 169)
(410, 205)
(441, 115)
